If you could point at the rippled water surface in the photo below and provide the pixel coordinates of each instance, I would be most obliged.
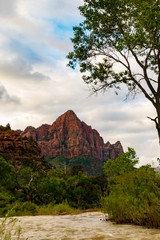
(82, 226)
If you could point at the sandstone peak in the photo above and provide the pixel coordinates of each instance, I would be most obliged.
(68, 115)
(70, 137)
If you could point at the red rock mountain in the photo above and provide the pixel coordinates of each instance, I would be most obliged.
(19, 151)
(70, 137)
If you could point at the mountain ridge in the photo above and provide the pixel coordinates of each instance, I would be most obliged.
(68, 136)
(20, 151)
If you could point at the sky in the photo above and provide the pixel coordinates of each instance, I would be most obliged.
(36, 86)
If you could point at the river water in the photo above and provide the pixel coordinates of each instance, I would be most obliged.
(84, 226)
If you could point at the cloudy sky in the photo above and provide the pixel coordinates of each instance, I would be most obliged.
(36, 86)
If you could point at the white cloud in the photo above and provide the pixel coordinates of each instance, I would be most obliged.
(8, 7)
(5, 98)
(36, 86)
(58, 9)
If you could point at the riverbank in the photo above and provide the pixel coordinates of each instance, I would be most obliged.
(63, 208)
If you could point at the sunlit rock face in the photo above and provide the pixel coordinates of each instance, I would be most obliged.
(12, 142)
(70, 137)
(19, 151)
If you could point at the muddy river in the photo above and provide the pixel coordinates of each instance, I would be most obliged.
(83, 226)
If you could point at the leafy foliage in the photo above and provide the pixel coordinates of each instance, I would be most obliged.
(133, 194)
(119, 43)
(24, 189)
(122, 164)
(6, 176)
(89, 164)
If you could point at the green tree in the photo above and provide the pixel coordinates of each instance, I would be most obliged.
(119, 43)
(83, 192)
(122, 164)
(7, 186)
(133, 193)
(7, 174)
(27, 183)
(76, 169)
(134, 197)
(50, 190)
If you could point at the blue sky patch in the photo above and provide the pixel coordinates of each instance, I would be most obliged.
(25, 51)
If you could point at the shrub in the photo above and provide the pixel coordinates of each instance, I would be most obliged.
(134, 197)
(24, 209)
(62, 208)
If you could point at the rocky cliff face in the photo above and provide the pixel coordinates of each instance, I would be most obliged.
(70, 137)
(18, 150)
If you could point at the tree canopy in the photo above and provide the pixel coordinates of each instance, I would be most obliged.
(122, 164)
(119, 43)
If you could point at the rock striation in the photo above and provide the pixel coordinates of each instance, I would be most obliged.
(70, 137)
(19, 151)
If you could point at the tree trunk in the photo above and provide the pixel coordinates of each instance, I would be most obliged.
(158, 126)
(157, 120)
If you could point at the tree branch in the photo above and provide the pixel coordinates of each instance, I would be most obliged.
(144, 68)
(139, 85)
(155, 120)
(128, 67)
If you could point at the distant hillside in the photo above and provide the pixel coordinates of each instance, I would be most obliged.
(19, 151)
(71, 138)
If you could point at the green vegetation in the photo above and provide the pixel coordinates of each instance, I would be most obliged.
(58, 209)
(133, 194)
(118, 43)
(128, 194)
(122, 164)
(30, 191)
(91, 165)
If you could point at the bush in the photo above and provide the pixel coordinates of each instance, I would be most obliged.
(24, 209)
(62, 208)
(134, 197)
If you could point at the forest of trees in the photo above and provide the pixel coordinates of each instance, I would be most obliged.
(128, 194)
(52, 187)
